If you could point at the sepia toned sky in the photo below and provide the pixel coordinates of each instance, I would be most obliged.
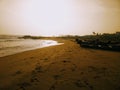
(59, 17)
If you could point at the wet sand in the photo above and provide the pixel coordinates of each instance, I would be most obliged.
(61, 67)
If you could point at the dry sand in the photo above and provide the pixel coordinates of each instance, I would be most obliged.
(62, 67)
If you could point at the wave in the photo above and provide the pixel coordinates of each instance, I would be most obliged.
(12, 46)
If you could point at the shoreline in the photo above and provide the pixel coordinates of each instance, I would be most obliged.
(61, 67)
(42, 44)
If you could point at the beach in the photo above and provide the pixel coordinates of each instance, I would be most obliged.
(62, 67)
(10, 45)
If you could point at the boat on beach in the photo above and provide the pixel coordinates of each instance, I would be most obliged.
(96, 44)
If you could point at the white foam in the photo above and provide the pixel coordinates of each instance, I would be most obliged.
(13, 47)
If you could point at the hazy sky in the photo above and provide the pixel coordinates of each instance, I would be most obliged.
(59, 17)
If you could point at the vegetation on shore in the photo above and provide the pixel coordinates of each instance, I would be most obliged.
(105, 37)
(31, 37)
(115, 37)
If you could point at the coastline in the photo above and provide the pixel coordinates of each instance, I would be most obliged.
(10, 48)
(61, 67)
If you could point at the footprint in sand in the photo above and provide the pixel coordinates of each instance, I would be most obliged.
(38, 69)
(79, 83)
(17, 73)
(73, 66)
(62, 70)
(66, 61)
(34, 79)
(101, 71)
(31, 57)
(52, 87)
(23, 86)
(56, 77)
(83, 84)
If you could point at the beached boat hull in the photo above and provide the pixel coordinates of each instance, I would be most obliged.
(99, 45)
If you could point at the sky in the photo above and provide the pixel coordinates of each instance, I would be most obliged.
(59, 17)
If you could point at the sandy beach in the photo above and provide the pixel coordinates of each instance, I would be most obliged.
(61, 67)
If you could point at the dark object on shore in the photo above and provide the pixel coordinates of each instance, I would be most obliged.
(96, 44)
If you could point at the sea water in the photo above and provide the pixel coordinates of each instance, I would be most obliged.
(12, 44)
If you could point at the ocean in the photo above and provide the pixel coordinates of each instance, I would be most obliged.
(12, 44)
